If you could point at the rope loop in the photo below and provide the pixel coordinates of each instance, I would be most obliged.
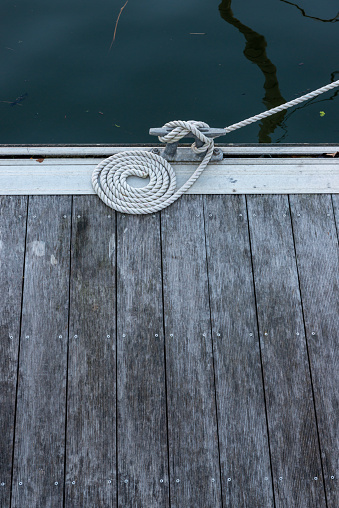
(109, 179)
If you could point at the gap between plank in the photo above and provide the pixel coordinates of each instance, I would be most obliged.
(261, 362)
(308, 353)
(211, 327)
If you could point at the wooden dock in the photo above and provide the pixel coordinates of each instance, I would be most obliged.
(186, 359)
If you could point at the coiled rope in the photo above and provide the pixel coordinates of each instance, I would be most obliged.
(109, 179)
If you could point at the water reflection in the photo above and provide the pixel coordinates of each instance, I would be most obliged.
(332, 20)
(255, 51)
(315, 100)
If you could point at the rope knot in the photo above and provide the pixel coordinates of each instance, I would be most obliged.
(180, 129)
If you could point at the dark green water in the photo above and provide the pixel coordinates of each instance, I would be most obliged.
(67, 86)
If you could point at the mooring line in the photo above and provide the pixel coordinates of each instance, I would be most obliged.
(109, 179)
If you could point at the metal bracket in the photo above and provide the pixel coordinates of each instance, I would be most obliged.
(170, 152)
(185, 154)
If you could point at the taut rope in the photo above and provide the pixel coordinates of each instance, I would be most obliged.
(109, 179)
(287, 105)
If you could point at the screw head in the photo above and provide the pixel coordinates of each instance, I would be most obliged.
(20, 483)
(284, 215)
(218, 334)
(265, 333)
(251, 334)
(109, 481)
(124, 335)
(161, 481)
(156, 151)
(75, 336)
(156, 335)
(65, 216)
(254, 215)
(177, 480)
(266, 478)
(229, 479)
(204, 334)
(27, 336)
(315, 478)
(240, 214)
(20, 216)
(73, 482)
(171, 334)
(297, 333)
(2, 484)
(210, 215)
(60, 336)
(126, 481)
(213, 480)
(313, 333)
(79, 216)
(56, 483)
(298, 214)
(280, 477)
(11, 336)
(332, 477)
(108, 336)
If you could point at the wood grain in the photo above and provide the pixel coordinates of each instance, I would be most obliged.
(193, 437)
(143, 478)
(293, 436)
(91, 401)
(229, 176)
(190, 402)
(40, 421)
(335, 202)
(316, 244)
(244, 450)
(13, 215)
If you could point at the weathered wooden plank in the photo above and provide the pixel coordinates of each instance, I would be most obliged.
(335, 201)
(40, 422)
(280, 149)
(71, 150)
(230, 176)
(143, 478)
(295, 456)
(105, 150)
(193, 437)
(13, 215)
(244, 449)
(237, 161)
(316, 244)
(91, 397)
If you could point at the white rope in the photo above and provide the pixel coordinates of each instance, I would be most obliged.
(109, 179)
(159, 193)
(287, 105)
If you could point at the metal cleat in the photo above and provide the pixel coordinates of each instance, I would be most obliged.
(171, 153)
